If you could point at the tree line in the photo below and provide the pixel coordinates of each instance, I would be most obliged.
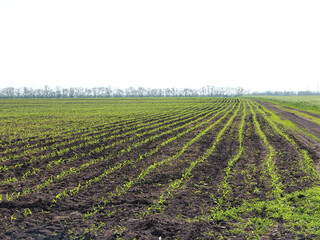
(285, 93)
(110, 92)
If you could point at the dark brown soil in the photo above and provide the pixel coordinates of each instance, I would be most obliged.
(180, 217)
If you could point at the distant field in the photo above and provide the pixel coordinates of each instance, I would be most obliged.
(144, 168)
(307, 103)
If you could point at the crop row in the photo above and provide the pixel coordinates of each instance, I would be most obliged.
(60, 149)
(58, 155)
(88, 130)
(71, 137)
(213, 165)
(123, 188)
(118, 153)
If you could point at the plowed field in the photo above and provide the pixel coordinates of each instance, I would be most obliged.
(179, 168)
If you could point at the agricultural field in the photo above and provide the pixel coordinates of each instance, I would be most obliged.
(157, 168)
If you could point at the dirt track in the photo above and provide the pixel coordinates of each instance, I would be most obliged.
(311, 114)
(305, 123)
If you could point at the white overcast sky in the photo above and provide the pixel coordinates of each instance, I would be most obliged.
(259, 45)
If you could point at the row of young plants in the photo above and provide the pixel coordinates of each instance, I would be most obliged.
(196, 124)
(158, 147)
(105, 201)
(277, 188)
(279, 207)
(267, 163)
(70, 122)
(86, 130)
(38, 143)
(19, 134)
(10, 197)
(295, 212)
(254, 218)
(62, 125)
(307, 164)
(224, 188)
(123, 188)
(61, 160)
(229, 172)
(158, 205)
(58, 151)
(83, 166)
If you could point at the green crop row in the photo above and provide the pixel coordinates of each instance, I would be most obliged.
(159, 204)
(146, 154)
(120, 190)
(307, 164)
(118, 153)
(271, 168)
(97, 135)
(225, 186)
(94, 130)
(87, 143)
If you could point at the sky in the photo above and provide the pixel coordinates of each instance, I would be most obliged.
(258, 45)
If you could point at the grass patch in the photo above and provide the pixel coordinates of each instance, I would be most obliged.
(304, 103)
